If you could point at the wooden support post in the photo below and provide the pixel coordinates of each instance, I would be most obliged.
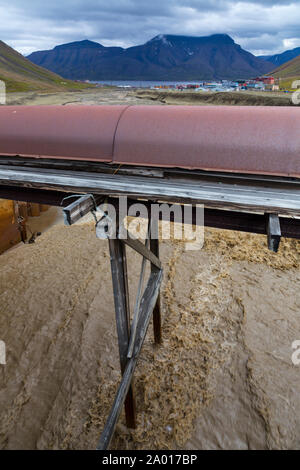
(147, 303)
(154, 248)
(21, 217)
(121, 299)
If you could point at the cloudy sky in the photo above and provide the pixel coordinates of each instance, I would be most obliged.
(260, 26)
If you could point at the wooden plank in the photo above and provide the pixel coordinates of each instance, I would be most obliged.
(116, 409)
(138, 300)
(142, 250)
(81, 165)
(277, 199)
(120, 289)
(147, 304)
(137, 170)
(154, 247)
(217, 218)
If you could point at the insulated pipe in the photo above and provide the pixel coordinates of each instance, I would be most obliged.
(66, 132)
(242, 139)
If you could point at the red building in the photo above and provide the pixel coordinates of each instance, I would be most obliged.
(266, 80)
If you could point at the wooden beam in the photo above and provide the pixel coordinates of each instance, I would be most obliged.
(136, 312)
(82, 165)
(238, 195)
(217, 218)
(154, 247)
(142, 250)
(147, 304)
(135, 170)
(157, 318)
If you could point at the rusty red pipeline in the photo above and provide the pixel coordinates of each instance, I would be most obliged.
(243, 139)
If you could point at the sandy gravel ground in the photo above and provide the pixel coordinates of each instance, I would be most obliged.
(113, 95)
(208, 98)
(223, 378)
(100, 96)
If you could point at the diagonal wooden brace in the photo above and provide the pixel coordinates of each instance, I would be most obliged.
(147, 304)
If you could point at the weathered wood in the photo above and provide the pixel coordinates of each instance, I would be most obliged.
(136, 170)
(274, 232)
(154, 247)
(275, 198)
(142, 250)
(217, 218)
(121, 300)
(147, 304)
(138, 299)
(82, 165)
(21, 216)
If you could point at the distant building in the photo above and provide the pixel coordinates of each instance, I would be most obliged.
(266, 80)
(272, 87)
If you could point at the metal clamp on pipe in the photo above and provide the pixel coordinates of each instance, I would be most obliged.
(80, 207)
(273, 231)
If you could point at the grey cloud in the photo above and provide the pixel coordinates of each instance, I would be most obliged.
(262, 26)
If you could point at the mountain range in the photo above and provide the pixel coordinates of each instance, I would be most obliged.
(280, 59)
(165, 57)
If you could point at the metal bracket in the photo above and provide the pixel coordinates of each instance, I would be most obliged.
(273, 231)
(80, 207)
